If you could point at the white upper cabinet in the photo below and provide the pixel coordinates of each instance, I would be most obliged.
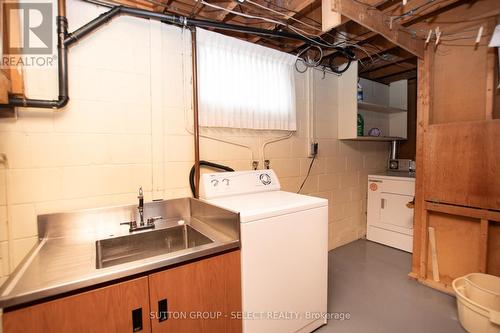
(383, 107)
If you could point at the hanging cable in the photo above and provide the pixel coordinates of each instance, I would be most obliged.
(347, 54)
(308, 173)
(306, 61)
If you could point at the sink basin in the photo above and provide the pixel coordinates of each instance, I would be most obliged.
(119, 250)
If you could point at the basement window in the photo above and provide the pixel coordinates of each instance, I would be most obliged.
(244, 85)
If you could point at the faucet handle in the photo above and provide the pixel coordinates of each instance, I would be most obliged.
(132, 224)
(153, 219)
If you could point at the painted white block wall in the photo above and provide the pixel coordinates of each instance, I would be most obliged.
(126, 126)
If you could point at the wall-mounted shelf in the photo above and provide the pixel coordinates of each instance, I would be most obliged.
(383, 107)
(377, 138)
(378, 108)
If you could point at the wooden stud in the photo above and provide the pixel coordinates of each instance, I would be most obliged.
(483, 214)
(419, 258)
(483, 246)
(374, 20)
(434, 259)
(4, 88)
(424, 240)
(490, 75)
(329, 18)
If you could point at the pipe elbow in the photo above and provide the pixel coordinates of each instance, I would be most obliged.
(62, 102)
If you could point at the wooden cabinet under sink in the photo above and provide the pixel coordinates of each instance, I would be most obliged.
(199, 296)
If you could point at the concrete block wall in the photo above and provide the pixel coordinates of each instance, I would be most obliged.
(128, 125)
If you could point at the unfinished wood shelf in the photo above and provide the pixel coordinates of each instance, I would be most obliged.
(377, 138)
(378, 108)
(383, 107)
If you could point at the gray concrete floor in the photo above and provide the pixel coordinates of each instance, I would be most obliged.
(369, 281)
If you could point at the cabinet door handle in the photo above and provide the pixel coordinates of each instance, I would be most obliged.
(162, 310)
(137, 320)
(382, 203)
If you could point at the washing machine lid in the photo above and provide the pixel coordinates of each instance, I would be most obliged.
(257, 206)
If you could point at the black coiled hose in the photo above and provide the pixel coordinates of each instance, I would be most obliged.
(207, 164)
(348, 54)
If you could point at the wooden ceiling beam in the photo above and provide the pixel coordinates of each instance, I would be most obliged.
(390, 70)
(374, 20)
(429, 11)
(387, 57)
(223, 14)
(402, 75)
(296, 6)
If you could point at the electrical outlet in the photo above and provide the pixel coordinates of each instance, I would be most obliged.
(313, 150)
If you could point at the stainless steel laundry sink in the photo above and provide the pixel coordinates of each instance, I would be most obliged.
(124, 249)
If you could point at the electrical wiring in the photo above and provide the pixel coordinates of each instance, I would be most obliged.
(287, 16)
(308, 173)
(307, 62)
(413, 11)
(298, 31)
(283, 14)
(302, 32)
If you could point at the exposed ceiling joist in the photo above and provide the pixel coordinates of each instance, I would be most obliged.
(391, 69)
(295, 7)
(223, 14)
(403, 75)
(374, 19)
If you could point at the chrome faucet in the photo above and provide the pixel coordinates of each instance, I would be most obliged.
(140, 208)
(150, 223)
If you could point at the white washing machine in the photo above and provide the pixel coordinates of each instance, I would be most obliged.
(390, 209)
(284, 250)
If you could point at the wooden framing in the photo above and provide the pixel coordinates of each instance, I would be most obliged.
(374, 20)
(464, 203)
(4, 88)
(481, 214)
(11, 79)
(329, 18)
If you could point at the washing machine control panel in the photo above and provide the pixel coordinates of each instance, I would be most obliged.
(213, 185)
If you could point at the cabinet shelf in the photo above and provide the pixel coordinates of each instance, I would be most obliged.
(377, 138)
(378, 108)
(383, 107)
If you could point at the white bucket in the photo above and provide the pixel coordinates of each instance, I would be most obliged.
(478, 302)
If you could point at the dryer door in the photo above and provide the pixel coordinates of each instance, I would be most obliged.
(394, 212)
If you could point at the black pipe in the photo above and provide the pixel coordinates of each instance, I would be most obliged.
(207, 164)
(62, 63)
(91, 26)
(66, 39)
(175, 20)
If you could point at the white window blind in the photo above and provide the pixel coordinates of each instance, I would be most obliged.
(244, 85)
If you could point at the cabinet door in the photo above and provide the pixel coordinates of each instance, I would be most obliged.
(123, 307)
(198, 297)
